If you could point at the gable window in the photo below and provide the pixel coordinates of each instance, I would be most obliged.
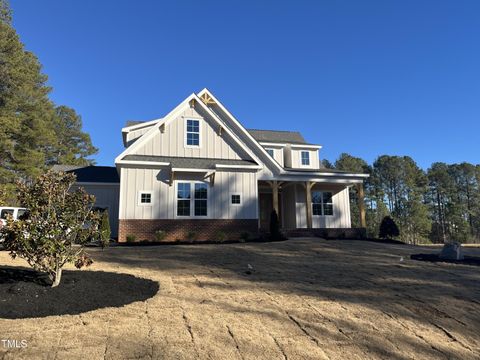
(306, 158)
(236, 199)
(270, 152)
(145, 198)
(322, 203)
(192, 203)
(192, 133)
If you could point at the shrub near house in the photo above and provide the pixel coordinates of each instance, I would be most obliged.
(57, 219)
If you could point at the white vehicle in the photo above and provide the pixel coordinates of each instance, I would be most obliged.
(16, 212)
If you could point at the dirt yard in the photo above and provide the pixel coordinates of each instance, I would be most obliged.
(302, 299)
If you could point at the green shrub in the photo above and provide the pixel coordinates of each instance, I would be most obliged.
(160, 235)
(191, 235)
(388, 228)
(220, 236)
(105, 231)
(130, 238)
(275, 233)
(244, 236)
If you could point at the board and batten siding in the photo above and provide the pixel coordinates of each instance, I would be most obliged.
(296, 159)
(163, 206)
(133, 135)
(171, 142)
(341, 208)
(106, 196)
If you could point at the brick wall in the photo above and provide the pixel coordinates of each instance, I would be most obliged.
(204, 229)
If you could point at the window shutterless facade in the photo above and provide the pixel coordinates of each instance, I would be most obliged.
(192, 199)
(192, 132)
(322, 203)
(270, 152)
(305, 158)
(235, 199)
(145, 198)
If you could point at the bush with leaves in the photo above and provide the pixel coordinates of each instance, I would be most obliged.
(105, 231)
(58, 224)
(275, 233)
(388, 228)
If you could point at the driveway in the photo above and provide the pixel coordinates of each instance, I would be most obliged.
(298, 299)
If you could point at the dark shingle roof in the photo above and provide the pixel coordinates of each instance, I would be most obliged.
(133, 122)
(290, 137)
(188, 162)
(94, 174)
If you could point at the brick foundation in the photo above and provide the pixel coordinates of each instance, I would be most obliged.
(180, 229)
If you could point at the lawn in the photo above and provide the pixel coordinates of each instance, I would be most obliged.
(299, 299)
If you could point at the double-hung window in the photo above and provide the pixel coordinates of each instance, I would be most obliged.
(305, 158)
(322, 203)
(192, 133)
(192, 203)
(270, 152)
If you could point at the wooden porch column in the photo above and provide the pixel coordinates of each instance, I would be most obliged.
(275, 196)
(308, 194)
(361, 205)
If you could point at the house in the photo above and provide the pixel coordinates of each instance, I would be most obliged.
(197, 172)
(101, 181)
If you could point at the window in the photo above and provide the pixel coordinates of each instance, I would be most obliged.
(270, 152)
(145, 198)
(322, 203)
(183, 199)
(236, 199)
(5, 212)
(192, 134)
(186, 200)
(201, 194)
(306, 158)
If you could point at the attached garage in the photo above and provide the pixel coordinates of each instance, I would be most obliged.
(102, 182)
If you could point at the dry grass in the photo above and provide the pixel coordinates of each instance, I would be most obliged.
(304, 299)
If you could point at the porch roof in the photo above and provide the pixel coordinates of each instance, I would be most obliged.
(189, 162)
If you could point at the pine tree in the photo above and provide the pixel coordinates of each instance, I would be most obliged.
(34, 133)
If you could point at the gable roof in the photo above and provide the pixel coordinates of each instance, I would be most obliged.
(275, 136)
(91, 174)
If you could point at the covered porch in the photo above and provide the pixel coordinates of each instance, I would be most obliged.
(308, 204)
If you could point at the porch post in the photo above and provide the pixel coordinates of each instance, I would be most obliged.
(308, 193)
(361, 205)
(275, 196)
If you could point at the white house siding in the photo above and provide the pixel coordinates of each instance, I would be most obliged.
(296, 160)
(135, 180)
(171, 142)
(341, 208)
(106, 196)
(132, 136)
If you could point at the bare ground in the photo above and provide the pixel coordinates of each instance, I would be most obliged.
(303, 299)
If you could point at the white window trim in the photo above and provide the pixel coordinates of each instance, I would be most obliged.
(273, 150)
(309, 158)
(139, 198)
(241, 198)
(192, 200)
(321, 204)
(200, 132)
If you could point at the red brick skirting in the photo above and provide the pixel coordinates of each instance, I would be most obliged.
(187, 229)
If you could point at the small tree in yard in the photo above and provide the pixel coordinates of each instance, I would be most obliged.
(105, 231)
(58, 224)
(388, 228)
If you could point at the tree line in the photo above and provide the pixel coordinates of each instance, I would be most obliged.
(437, 205)
(35, 133)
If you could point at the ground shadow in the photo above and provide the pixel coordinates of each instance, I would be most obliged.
(468, 260)
(25, 293)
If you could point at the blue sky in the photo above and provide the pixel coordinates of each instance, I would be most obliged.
(363, 77)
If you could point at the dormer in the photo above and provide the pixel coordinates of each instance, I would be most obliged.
(288, 148)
